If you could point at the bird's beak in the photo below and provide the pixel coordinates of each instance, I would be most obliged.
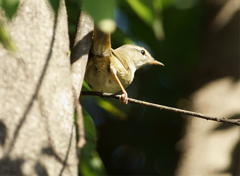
(154, 62)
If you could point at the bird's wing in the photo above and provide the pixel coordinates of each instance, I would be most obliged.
(123, 61)
(101, 43)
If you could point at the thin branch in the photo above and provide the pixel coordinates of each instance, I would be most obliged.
(167, 108)
(79, 121)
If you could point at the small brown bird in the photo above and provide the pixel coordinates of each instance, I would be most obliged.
(112, 70)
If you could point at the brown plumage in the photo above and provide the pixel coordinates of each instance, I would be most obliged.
(112, 70)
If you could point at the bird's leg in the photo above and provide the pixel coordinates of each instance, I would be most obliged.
(124, 96)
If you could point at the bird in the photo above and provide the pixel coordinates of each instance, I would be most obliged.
(112, 70)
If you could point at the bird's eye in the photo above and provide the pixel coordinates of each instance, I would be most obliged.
(142, 52)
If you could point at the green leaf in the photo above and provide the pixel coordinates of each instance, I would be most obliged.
(143, 11)
(157, 23)
(107, 106)
(102, 11)
(86, 86)
(5, 39)
(90, 129)
(158, 29)
(54, 4)
(91, 164)
(9, 7)
(149, 12)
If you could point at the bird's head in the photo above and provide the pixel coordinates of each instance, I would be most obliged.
(139, 56)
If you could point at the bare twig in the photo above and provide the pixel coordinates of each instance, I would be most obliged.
(167, 108)
(79, 121)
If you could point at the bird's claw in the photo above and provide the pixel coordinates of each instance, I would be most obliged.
(124, 98)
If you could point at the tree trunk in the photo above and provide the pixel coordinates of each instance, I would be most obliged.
(37, 132)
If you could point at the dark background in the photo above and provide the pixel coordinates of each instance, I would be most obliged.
(139, 140)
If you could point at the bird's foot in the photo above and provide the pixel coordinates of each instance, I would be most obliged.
(124, 98)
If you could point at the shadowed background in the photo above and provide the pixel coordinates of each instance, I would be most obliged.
(198, 41)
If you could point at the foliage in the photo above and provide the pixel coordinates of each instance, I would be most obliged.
(10, 8)
(102, 12)
(5, 38)
(91, 164)
(54, 4)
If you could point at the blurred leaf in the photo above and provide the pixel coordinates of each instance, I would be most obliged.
(119, 38)
(157, 23)
(90, 129)
(73, 12)
(162, 4)
(5, 38)
(54, 4)
(144, 12)
(9, 7)
(91, 164)
(107, 106)
(86, 86)
(158, 29)
(150, 15)
(184, 4)
(157, 4)
(102, 12)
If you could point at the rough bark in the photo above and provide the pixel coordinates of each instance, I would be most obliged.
(211, 148)
(37, 133)
(79, 59)
(81, 48)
